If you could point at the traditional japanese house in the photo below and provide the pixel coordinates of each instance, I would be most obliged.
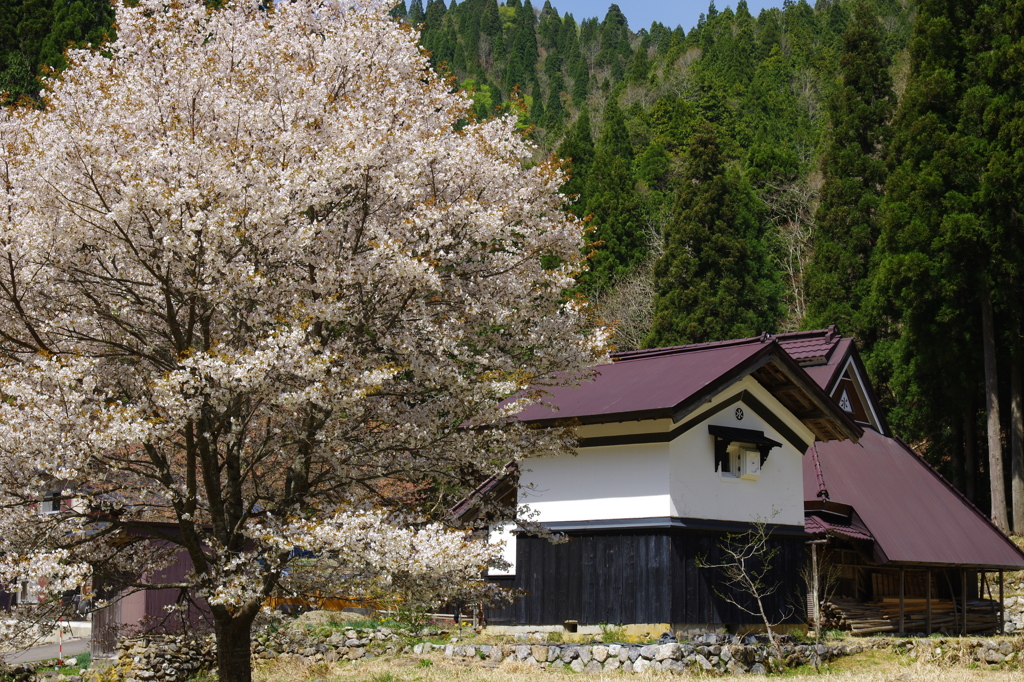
(677, 448)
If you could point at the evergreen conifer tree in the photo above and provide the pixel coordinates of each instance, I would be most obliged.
(854, 175)
(578, 149)
(416, 13)
(549, 27)
(37, 32)
(993, 111)
(935, 287)
(615, 49)
(715, 280)
(612, 199)
(639, 66)
(555, 110)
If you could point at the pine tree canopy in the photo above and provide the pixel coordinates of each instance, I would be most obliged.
(714, 280)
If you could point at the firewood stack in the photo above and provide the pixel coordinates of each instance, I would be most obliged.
(883, 615)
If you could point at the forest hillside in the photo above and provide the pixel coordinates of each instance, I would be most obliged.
(855, 162)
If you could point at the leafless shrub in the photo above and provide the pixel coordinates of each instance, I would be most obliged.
(746, 563)
(791, 209)
(629, 305)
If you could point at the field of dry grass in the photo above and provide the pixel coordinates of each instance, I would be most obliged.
(873, 666)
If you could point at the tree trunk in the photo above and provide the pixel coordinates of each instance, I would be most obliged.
(970, 459)
(956, 471)
(1016, 444)
(997, 483)
(234, 636)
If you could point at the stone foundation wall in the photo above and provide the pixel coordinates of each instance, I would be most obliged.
(961, 650)
(164, 657)
(157, 658)
(175, 658)
(1013, 617)
(352, 644)
(713, 652)
(169, 659)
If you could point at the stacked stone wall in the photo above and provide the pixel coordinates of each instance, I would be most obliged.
(164, 657)
(708, 653)
(1013, 615)
(169, 659)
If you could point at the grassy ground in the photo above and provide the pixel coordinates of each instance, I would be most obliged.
(873, 666)
(82, 661)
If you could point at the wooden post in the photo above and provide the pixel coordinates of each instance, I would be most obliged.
(1002, 615)
(928, 602)
(903, 573)
(814, 588)
(963, 601)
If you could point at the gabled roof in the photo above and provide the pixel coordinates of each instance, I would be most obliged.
(672, 382)
(911, 512)
(826, 355)
(811, 347)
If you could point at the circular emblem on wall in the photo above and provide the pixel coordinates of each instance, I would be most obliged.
(739, 414)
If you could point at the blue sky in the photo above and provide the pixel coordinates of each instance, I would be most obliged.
(641, 13)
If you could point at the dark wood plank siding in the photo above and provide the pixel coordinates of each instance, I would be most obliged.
(700, 593)
(636, 576)
(106, 623)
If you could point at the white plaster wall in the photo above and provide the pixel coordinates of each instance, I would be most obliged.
(508, 552)
(698, 491)
(611, 482)
(651, 480)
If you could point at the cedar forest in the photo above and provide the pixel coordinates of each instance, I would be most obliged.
(857, 163)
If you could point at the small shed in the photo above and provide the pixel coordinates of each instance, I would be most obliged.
(133, 611)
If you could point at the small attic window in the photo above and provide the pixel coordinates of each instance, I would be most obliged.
(740, 453)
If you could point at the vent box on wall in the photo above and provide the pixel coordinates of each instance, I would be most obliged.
(750, 464)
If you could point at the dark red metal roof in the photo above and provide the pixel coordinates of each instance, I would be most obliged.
(811, 347)
(652, 384)
(825, 374)
(820, 352)
(823, 353)
(914, 515)
(853, 529)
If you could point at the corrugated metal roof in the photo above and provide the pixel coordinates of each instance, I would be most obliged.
(914, 515)
(810, 347)
(854, 530)
(650, 384)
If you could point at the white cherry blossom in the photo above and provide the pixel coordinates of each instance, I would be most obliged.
(264, 279)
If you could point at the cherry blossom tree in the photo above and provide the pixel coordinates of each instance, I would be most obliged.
(265, 279)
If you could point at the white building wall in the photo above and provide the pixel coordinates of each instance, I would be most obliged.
(698, 491)
(651, 480)
(504, 534)
(612, 482)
